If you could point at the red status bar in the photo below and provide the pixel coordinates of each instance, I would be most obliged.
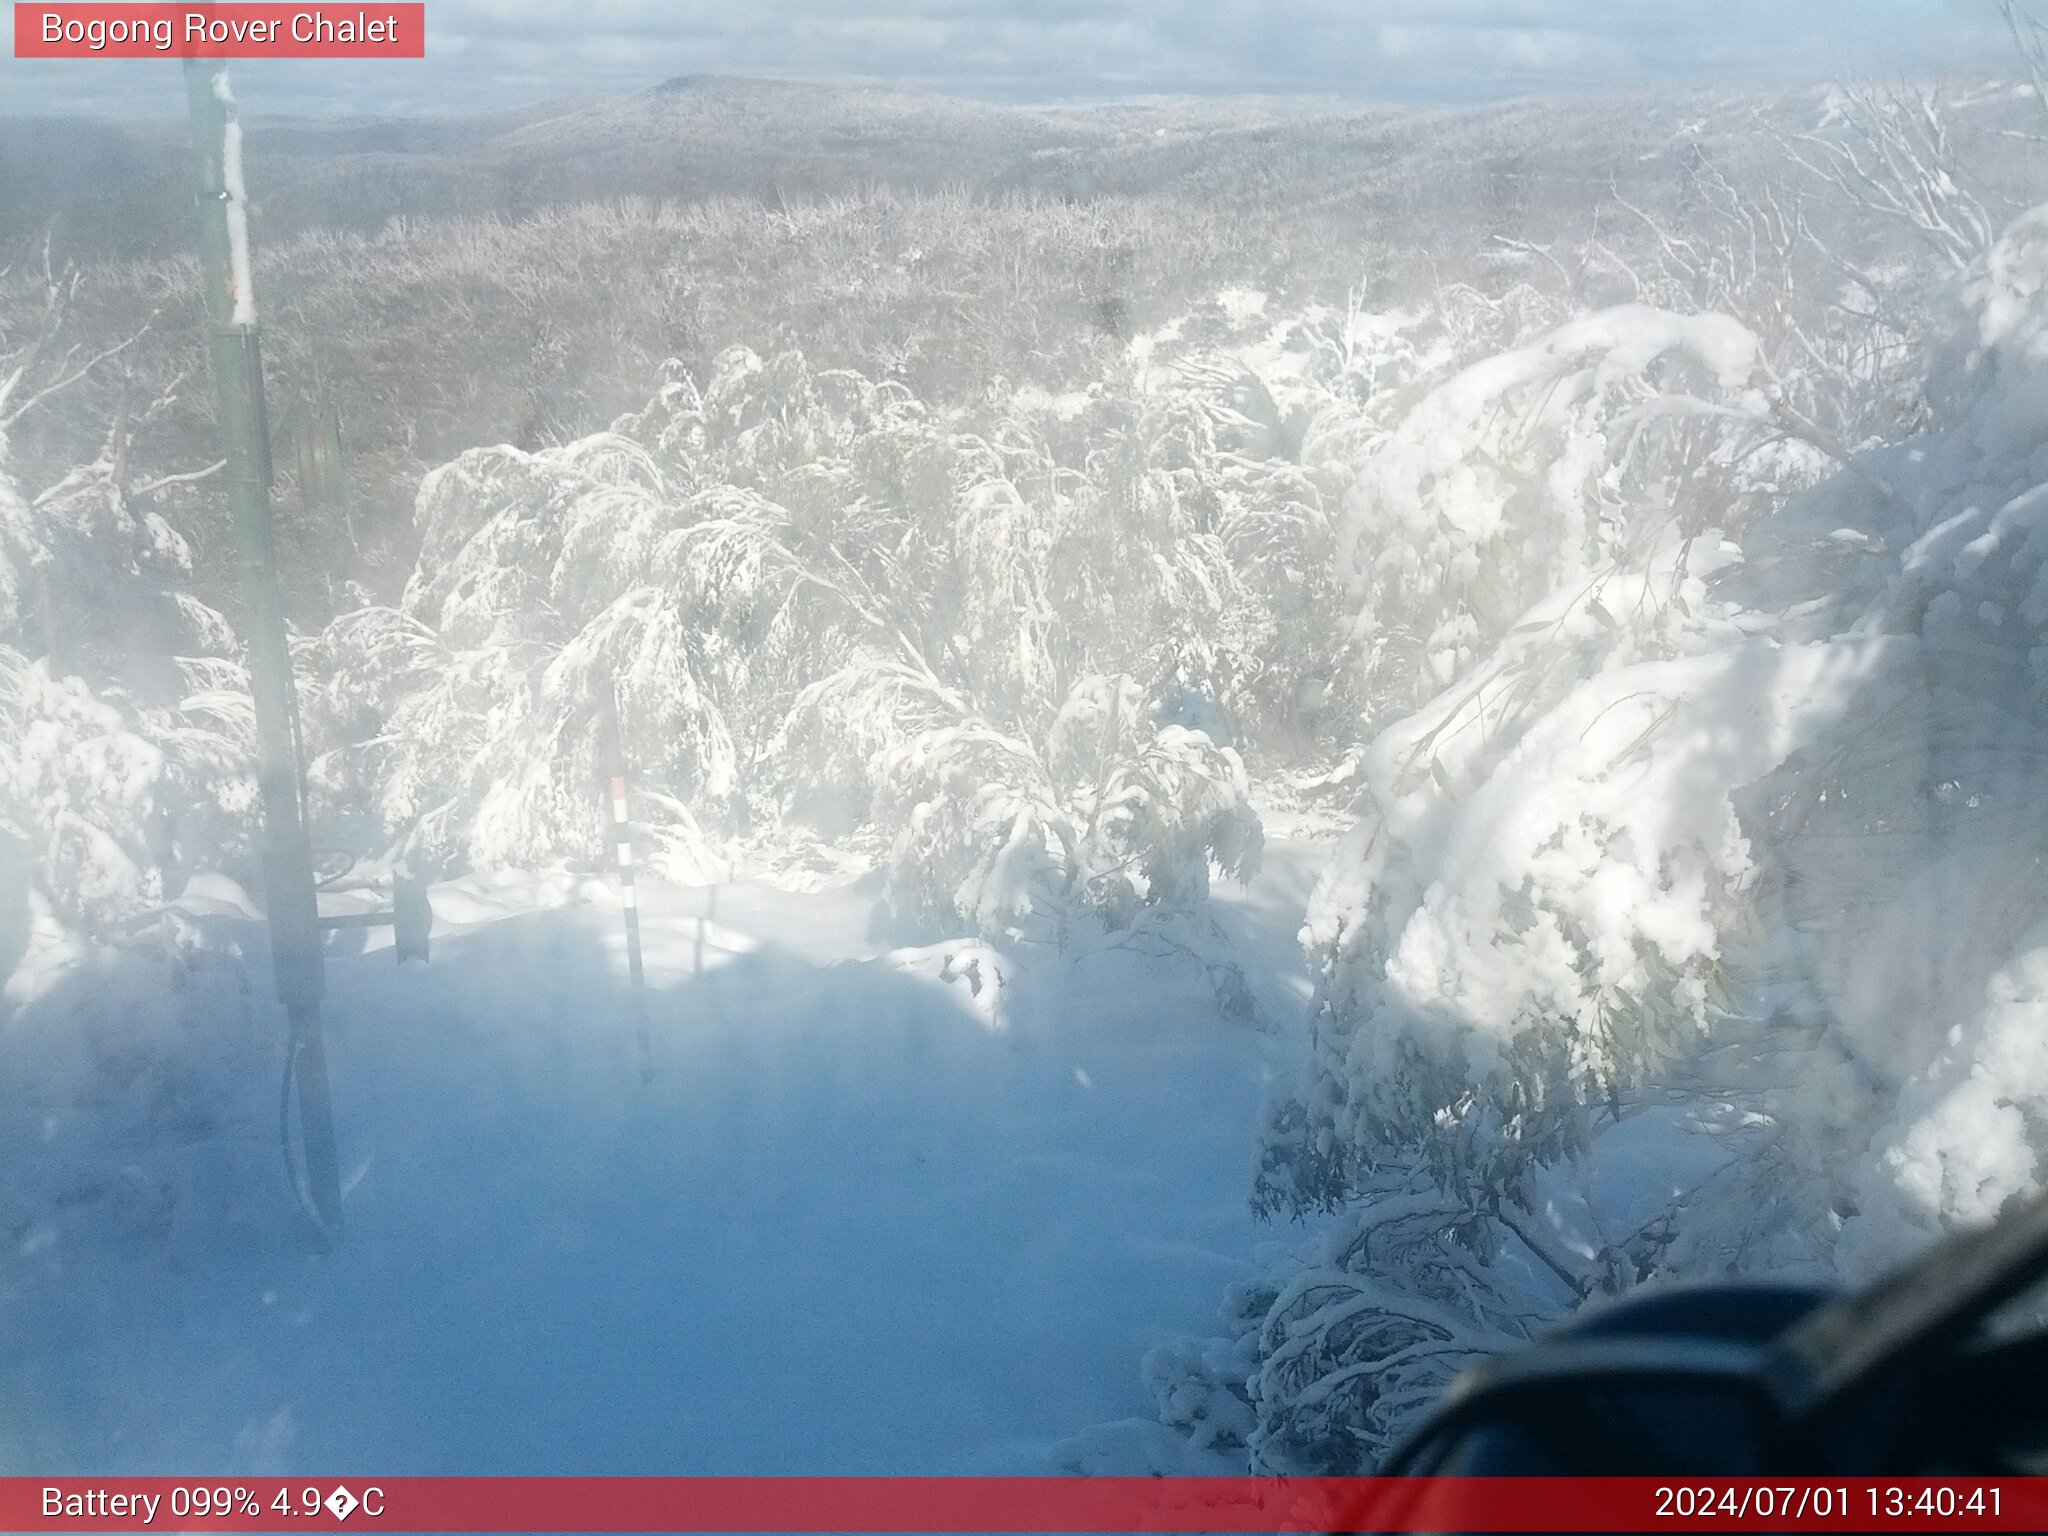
(1198, 1504)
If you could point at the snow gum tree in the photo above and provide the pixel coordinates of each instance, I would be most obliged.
(123, 707)
(1011, 646)
(1692, 923)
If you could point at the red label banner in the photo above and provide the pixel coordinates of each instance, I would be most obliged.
(1058, 1504)
(222, 30)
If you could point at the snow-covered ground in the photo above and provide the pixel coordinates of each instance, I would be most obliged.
(853, 1224)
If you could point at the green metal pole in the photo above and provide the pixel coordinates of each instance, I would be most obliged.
(289, 895)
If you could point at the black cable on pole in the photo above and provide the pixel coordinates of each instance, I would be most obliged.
(293, 1177)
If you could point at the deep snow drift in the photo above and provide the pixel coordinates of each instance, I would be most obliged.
(852, 1226)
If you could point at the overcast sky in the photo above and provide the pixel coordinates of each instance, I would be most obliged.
(487, 53)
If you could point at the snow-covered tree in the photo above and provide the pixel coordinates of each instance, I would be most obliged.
(1330, 1351)
(1530, 471)
(815, 600)
(1739, 870)
(127, 723)
(1131, 812)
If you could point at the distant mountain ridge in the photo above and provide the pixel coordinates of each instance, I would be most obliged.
(1299, 170)
(117, 189)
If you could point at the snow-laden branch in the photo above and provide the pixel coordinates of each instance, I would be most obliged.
(1889, 154)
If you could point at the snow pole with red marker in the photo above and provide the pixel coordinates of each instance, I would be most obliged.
(611, 747)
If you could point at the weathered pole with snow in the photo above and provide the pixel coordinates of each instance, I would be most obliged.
(288, 889)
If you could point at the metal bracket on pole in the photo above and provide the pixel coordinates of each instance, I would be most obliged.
(410, 918)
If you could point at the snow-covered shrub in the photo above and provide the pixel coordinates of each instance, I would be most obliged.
(116, 804)
(1495, 977)
(1837, 334)
(1128, 814)
(1388, 1306)
(840, 727)
(373, 684)
(980, 839)
(80, 794)
(1528, 471)
(1175, 809)
(474, 709)
(109, 575)
(818, 604)
(126, 730)
(1328, 1350)
(1931, 972)
(1743, 830)
(699, 568)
